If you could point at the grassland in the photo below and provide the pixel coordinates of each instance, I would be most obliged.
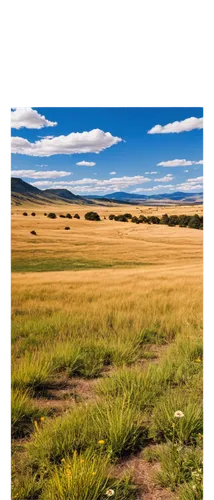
(106, 347)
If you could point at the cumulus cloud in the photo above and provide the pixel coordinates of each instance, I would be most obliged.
(179, 163)
(166, 178)
(112, 173)
(177, 127)
(34, 174)
(86, 164)
(94, 141)
(193, 184)
(29, 118)
(151, 173)
(88, 185)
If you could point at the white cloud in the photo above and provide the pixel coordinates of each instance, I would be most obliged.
(29, 118)
(88, 185)
(86, 164)
(112, 173)
(177, 127)
(186, 170)
(86, 142)
(193, 184)
(166, 178)
(33, 174)
(151, 173)
(41, 165)
(154, 188)
(179, 163)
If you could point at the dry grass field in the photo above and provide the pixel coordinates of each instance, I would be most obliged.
(106, 348)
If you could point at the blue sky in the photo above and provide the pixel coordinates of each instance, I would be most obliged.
(141, 150)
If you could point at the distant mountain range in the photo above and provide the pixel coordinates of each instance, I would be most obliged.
(22, 192)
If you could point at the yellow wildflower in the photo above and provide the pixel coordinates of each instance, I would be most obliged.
(101, 441)
(198, 360)
(42, 419)
(93, 473)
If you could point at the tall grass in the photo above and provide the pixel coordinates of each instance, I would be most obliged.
(23, 413)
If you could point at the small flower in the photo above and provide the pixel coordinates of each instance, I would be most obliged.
(62, 459)
(198, 360)
(110, 492)
(101, 441)
(81, 461)
(42, 419)
(93, 473)
(178, 414)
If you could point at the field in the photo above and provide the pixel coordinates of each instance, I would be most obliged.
(106, 348)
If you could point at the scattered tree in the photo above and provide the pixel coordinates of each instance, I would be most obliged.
(76, 216)
(195, 222)
(51, 215)
(45, 213)
(33, 232)
(121, 218)
(62, 216)
(25, 213)
(33, 214)
(173, 220)
(92, 216)
(67, 228)
(68, 216)
(164, 219)
(128, 216)
(111, 217)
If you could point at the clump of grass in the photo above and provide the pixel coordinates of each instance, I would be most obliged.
(23, 412)
(86, 477)
(179, 464)
(191, 491)
(183, 360)
(33, 371)
(165, 425)
(139, 386)
(154, 335)
(108, 427)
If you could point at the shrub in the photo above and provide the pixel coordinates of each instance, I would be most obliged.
(68, 216)
(111, 217)
(121, 218)
(45, 214)
(128, 216)
(184, 220)
(135, 220)
(32, 371)
(195, 222)
(173, 220)
(62, 216)
(25, 213)
(67, 228)
(51, 215)
(164, 219)
(76, 216)
(143, 219)
(153, 219)
(33, 232)
(92, 216)
(33, 214)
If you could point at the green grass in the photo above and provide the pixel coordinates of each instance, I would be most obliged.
(42, 264)
(118, 425)
(23, 413)
(33, 371)
(179, 464)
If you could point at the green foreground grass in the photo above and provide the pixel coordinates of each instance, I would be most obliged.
(41, 264)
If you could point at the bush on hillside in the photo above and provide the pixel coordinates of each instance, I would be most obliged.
(51, 215)
(111, 217)
(33, 214)
(173, 220)
(45, 213)
(184, 220)
(92, 216)
(68, 216)
(164, 219)
(196, 222)
(25, 213)
(76, 216)
(143, 219)
(121, 218)
(135, 219)
(62, 216)
(128, 216)
(33, 232)
(67, 228)
(154, 219)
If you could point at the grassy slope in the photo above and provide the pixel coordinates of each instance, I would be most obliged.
(101, 322)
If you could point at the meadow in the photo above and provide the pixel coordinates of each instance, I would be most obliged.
(106, 356)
